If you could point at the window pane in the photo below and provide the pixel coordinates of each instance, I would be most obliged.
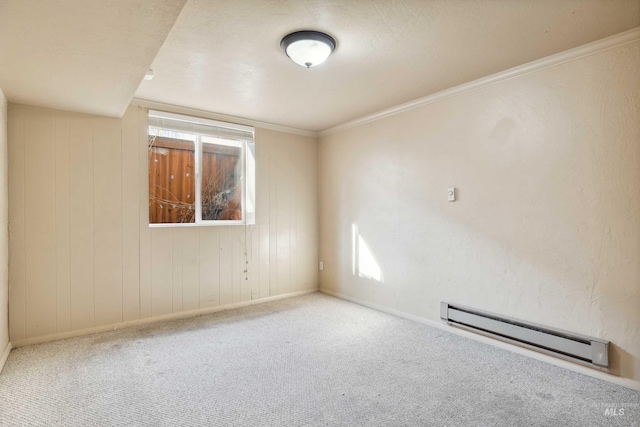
(221, 182)
(172, 184)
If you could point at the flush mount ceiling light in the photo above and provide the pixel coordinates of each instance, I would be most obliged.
(308, 48)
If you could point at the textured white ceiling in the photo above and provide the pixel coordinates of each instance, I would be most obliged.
(80, 55)
(224, 56)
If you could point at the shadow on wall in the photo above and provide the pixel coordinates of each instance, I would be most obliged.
(363, 261)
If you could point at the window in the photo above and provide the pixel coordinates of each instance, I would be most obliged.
(200, 171)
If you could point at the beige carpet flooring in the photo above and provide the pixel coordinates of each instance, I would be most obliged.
(313, 360)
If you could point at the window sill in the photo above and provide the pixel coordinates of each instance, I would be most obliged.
(201, 224)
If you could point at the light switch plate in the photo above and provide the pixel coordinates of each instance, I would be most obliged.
(451, 194)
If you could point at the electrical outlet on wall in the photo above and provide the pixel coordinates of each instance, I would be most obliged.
(321, 266)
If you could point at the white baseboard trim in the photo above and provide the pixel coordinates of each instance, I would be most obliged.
(137, 322)
(5, 355)
(624, 382)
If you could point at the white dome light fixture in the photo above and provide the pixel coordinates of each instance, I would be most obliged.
(308, 48)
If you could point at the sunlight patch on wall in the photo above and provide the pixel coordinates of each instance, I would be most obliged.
(363, 261)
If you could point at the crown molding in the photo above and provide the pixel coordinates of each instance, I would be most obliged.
(607, 43)
(160, 106)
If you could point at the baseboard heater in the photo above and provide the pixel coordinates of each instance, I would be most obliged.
(585, 350)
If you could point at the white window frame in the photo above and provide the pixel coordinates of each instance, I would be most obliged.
(248, 182)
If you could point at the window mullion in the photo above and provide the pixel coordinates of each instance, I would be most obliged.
(198, 200)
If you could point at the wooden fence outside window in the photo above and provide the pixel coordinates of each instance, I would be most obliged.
(172, 185)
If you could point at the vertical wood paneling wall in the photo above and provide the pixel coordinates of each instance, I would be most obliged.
(82, 254)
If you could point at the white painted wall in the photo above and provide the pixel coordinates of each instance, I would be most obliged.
(82, 252)
(546, 227)
(4, 231)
